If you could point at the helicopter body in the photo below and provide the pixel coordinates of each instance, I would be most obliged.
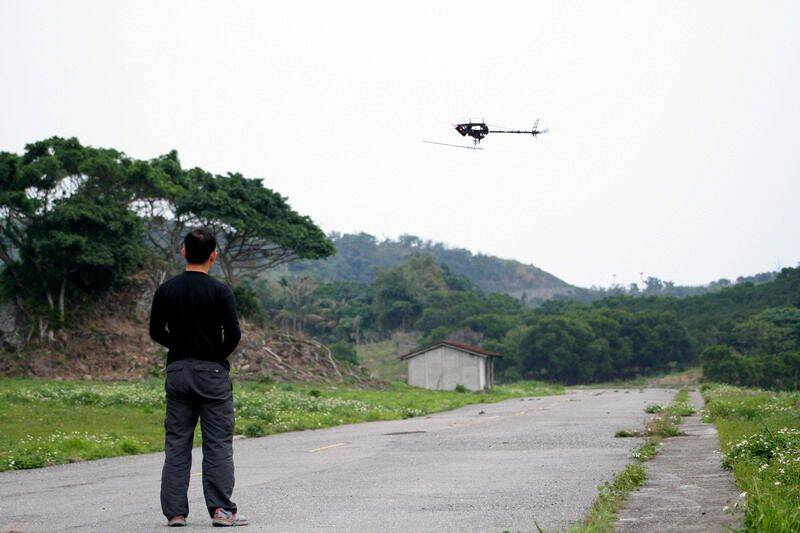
(477, 131)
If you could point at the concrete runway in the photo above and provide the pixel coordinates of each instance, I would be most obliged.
(521, 462)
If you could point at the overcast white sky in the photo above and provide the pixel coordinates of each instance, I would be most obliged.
(673, 147)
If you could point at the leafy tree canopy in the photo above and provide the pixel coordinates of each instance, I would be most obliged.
(75, 220)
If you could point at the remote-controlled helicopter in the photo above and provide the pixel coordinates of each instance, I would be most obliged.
(479, 130)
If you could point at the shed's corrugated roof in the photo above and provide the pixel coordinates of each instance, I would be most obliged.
(477, 350)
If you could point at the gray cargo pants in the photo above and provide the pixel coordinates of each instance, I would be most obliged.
(203, 389)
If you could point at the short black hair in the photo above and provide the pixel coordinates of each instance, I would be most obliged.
(199, 243)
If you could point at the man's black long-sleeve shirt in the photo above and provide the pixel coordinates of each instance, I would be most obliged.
(194, 315)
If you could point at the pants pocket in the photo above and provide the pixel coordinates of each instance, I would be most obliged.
(175, 366)
(212, 379)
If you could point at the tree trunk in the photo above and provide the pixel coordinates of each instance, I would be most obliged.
(43, 330)
(61, 297)
(50, 303)
(227, 270)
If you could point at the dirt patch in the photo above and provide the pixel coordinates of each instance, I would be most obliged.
(678, 380)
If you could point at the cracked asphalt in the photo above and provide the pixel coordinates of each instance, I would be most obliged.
(489, 467)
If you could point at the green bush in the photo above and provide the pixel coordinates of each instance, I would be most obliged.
(26, 459)
(460, 388)
(648, 450)
(130, 447)
(663, 425)
(253, 429)
(653, 408)
(247, 304)
(344, 351)
(765, 446)
(778, 371)
(680, 409)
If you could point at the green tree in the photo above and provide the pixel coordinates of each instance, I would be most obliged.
(395, 302)
(65, 224)
(555, 348)
(299, 296)
(256, 228)
(344, 351)
(158, 187)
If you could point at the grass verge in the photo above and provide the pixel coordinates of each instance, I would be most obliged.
(612, 495)
(51, 422)
(759, 433)
(610, 498)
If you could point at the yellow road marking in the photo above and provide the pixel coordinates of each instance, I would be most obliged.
(328, 447)
(197, 474)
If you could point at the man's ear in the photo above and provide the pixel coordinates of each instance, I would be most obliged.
(183, 251)
(213, 257)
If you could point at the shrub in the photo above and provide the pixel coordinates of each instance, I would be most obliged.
(247, 304)
(410, 412)
(777, 371)
(26, 459)
(680, 409)
(653, 408)
(253, 429)
(460, 388)
(765, 446)
(130, 447)
(648, 450)
(344, 351)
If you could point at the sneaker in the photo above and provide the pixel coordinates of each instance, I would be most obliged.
(223, 518)
(177, 521)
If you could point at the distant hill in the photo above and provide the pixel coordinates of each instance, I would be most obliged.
(653, 286)
(359, 255)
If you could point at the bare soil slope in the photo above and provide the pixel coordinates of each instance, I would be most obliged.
(109, 340)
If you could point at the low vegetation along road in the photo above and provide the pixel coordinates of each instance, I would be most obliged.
(488, 467)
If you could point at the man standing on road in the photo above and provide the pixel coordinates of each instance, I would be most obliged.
(194, 317)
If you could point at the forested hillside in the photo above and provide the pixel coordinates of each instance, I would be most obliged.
(747, 333)
(568, 341)
(359, 256)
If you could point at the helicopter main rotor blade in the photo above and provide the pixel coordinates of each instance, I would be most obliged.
(454, 145)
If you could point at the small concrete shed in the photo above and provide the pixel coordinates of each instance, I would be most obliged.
(445, 364)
